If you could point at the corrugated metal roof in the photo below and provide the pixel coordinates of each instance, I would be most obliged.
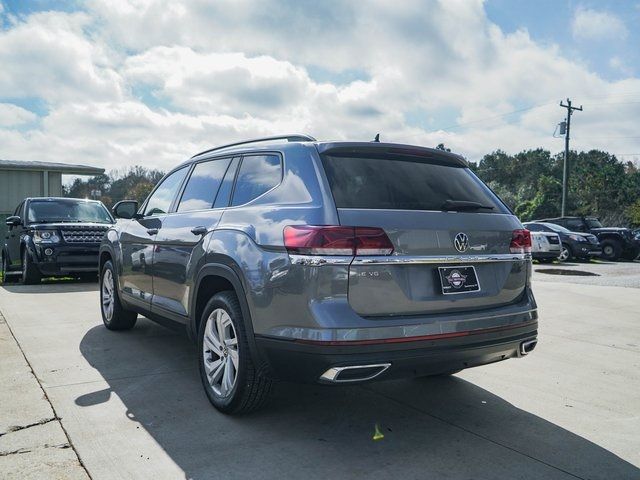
(67, 168)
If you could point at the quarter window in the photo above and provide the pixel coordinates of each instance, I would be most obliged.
(160, 200)
(258, 174)
(203, 185)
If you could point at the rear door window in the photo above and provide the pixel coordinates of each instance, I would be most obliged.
(258, 174)
(224, 194)
(203, 185)
(400, 182)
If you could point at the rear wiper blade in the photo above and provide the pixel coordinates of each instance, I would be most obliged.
(461, 205)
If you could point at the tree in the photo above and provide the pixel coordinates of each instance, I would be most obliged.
(135, 184)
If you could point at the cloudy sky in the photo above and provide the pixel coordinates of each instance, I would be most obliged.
(113, 83)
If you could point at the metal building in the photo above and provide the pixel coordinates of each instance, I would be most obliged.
(33, 179)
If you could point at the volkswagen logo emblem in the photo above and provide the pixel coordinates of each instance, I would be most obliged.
(461, 242)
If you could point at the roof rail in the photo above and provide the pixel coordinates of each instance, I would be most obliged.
(293, 137)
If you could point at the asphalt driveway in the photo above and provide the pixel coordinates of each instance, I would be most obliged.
(132, 405)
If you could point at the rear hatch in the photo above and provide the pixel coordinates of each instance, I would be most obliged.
(443, 222)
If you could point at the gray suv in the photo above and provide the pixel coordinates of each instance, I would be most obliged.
(329, 262)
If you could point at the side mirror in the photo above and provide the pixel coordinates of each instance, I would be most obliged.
(126, 209)
(13, 221)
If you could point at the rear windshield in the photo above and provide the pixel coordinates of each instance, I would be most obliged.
(404, 183)
(59, 210)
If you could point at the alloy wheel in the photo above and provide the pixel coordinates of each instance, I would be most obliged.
(564, 254)
(108, 299)
(608, 251)
(220, 352)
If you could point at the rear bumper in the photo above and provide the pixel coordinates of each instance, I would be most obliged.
(307, 361)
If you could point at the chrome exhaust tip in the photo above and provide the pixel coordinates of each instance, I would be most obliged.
(354, 373)
(527, 347)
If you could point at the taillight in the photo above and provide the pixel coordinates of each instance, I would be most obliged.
(336, 240)
(520, 241)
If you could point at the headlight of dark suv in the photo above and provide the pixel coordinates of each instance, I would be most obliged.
(577, 238)
(46, 237)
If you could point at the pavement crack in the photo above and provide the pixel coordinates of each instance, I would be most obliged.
(46, 396)
(20, 451)
(17, 428)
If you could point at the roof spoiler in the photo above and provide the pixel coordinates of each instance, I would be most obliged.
(393, 149)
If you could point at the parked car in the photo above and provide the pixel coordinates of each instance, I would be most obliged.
(616, 242)
(574, 244)
(545, 246)
(54, 237)
(324, 262)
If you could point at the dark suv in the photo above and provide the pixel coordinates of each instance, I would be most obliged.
(323, 262)
(54, 237)
(574, 244)
(616, 242)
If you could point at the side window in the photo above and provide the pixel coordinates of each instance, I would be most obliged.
(258, 174)
(203, 185)
(574, 225)
(18, 211)
(161, 198)
(533, 227)
(224, 194)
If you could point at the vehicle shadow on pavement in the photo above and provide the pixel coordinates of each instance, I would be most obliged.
(53, 286)
(432, 427)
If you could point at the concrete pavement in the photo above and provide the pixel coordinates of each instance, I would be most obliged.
(32, 441)
(132, 404)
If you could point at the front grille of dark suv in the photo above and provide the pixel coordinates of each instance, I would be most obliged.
(592, 239)
(83, 235)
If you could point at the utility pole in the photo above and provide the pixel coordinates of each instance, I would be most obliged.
(565, 167)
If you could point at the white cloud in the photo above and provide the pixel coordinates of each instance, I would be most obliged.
(591, 24)
(154, 81)
(51, 56)
(13, 115)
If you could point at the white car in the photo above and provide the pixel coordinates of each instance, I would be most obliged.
(545, 246)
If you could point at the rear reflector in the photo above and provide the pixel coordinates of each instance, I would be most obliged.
(520, 241)
(336, 240)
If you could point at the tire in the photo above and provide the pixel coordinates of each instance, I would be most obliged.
(5, 279)
(611, 250)
(233, 387)
(566, 253)
(114, 316)
(30, 273)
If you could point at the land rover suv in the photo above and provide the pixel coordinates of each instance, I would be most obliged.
(54, 237)
(329, 262)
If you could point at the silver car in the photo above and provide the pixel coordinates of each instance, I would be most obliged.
(323, 262)
(545, 246)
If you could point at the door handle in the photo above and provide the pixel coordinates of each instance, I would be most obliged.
(199, 230)
(152, 231)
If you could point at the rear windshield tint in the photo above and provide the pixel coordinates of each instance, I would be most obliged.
(404, 183)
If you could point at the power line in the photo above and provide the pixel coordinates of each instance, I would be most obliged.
(495, 116)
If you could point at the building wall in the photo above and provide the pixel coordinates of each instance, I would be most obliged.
(15, 185)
